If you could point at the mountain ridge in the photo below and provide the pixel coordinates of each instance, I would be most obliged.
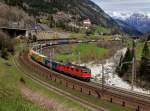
(83, 8)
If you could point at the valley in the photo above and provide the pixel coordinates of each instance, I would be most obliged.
(74, 55)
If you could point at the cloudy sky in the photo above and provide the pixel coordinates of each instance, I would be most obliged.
(124, 5)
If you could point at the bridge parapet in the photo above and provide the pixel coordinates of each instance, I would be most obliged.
(17, 26)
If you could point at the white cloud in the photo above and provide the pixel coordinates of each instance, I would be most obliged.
(125, 15)
(120, 15)
(124, 5)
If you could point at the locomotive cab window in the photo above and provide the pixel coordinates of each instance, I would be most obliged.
(84, 71)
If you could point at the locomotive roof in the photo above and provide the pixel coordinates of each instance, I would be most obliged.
(79, 67)
(74, 66)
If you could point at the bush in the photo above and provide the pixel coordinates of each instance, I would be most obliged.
(88, 32)
(60, 24)
(22, 80)
(4, 53)
(102, 30)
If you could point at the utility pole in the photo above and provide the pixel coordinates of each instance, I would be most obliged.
(55, 23)
(79, 60)
(53, 53)
(75, 20)
(133, 67)
(103, 78)
(41, 49)
(133, 73)
(115, 64)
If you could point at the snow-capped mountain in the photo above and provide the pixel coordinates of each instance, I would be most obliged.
(130, 30)
(141, 21)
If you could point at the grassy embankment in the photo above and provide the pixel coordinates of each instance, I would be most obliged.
(95, 36)
(139, 49)
(88, 52)
(10, 97)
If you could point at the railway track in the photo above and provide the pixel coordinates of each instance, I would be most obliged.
(122, 91)
(84, 103)
(123, 98)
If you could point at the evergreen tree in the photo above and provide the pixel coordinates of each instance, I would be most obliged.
(34, 39)
(127, 58)
(51, 21)
(146, 52)
(14, 2)
(145, 63)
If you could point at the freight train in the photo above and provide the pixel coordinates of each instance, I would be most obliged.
(78, 72)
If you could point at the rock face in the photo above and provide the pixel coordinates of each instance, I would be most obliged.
(81, 8)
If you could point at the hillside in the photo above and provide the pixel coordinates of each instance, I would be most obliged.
(82, 8)
(76, 9)
(10, 16)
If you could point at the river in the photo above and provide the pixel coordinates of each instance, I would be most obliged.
(111, 77)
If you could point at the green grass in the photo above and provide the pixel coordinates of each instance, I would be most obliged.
(77, 35)
(93, 36)
(139, 48)
(88, 52)
(102, 30)
(10, 98)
